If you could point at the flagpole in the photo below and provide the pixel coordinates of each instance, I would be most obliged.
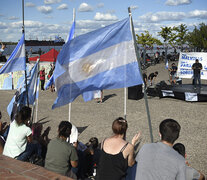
(125, 103)
(145, 95)
(70, 104)
(34, 106)
(24, 51)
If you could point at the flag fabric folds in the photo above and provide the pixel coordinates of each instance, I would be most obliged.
(166, 65)
(7, 83)
(20, 97)
(50, 82)
(17, 60)
(102, 59)
(71, 34)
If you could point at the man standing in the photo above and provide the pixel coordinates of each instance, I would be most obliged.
(159, 161)
(173, 71)
(197, 67)
(42, 78)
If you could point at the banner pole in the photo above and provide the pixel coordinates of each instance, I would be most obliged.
(145, 95)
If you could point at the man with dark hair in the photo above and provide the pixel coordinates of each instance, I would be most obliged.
(191, 173)
(159, 161)
(173, 71)
(197, 67)
(151, 78)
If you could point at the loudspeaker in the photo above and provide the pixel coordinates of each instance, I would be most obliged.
(135, 92)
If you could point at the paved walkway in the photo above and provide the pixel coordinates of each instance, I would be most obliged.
(11, 169)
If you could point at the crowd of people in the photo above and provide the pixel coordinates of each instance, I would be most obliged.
(113, 159)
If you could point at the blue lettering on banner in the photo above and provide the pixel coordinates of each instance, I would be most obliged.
(183, 64)
(185, 56)
(186, 72)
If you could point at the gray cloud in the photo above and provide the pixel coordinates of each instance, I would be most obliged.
(100, 5)
(198, 14)
(163, 16)
(177, 2)
(30, 4)
(52, 1)
(13, 18)
(133, 7)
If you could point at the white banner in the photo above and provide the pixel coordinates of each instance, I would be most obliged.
(186, 61)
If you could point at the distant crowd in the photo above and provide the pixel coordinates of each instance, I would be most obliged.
(113, 159)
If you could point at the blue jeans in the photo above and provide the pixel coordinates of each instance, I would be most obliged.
(197, 77)
(31, 149)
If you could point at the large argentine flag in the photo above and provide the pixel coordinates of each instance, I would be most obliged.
(102, 59)
(17, 60)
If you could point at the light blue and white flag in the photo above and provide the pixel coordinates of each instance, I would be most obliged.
(50, 82)
(102, 59)
(17, 60)
(20, 97)
(7, 83)
(166, 65)
(71, 33)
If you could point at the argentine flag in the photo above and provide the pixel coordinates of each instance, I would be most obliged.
(20, 97)
(17, 60)
(102, 59)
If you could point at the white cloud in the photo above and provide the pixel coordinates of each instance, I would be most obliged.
(177, 2)
(105, 17)
(13, 18)
(52, 1)
(3, 25)
(62, 7)
(84, 7)
(49, 17)
(198, 14)
(100, 5)
(30, 4)
(134, 7)
(45, 9)
(163, 16)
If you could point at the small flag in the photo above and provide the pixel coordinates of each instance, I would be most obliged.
(166, 65)
(71, 34)
(102, 59)
(20, 97)
(57, 39)
(50, 82)
(17, 60)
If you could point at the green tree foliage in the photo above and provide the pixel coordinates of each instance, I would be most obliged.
(198, 37)
(180, 35)
(147, 40)
(166, 33)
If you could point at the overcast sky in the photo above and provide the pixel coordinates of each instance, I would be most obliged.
(44, 19)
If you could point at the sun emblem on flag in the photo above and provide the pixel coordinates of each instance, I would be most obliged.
(87, 68)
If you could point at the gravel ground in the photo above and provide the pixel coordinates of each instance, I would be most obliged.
(96, 119)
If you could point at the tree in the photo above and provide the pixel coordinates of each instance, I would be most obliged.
(198, 37)
(166, 34)
(180, 36)
(147, 40)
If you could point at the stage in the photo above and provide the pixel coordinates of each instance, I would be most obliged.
(186, 92)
